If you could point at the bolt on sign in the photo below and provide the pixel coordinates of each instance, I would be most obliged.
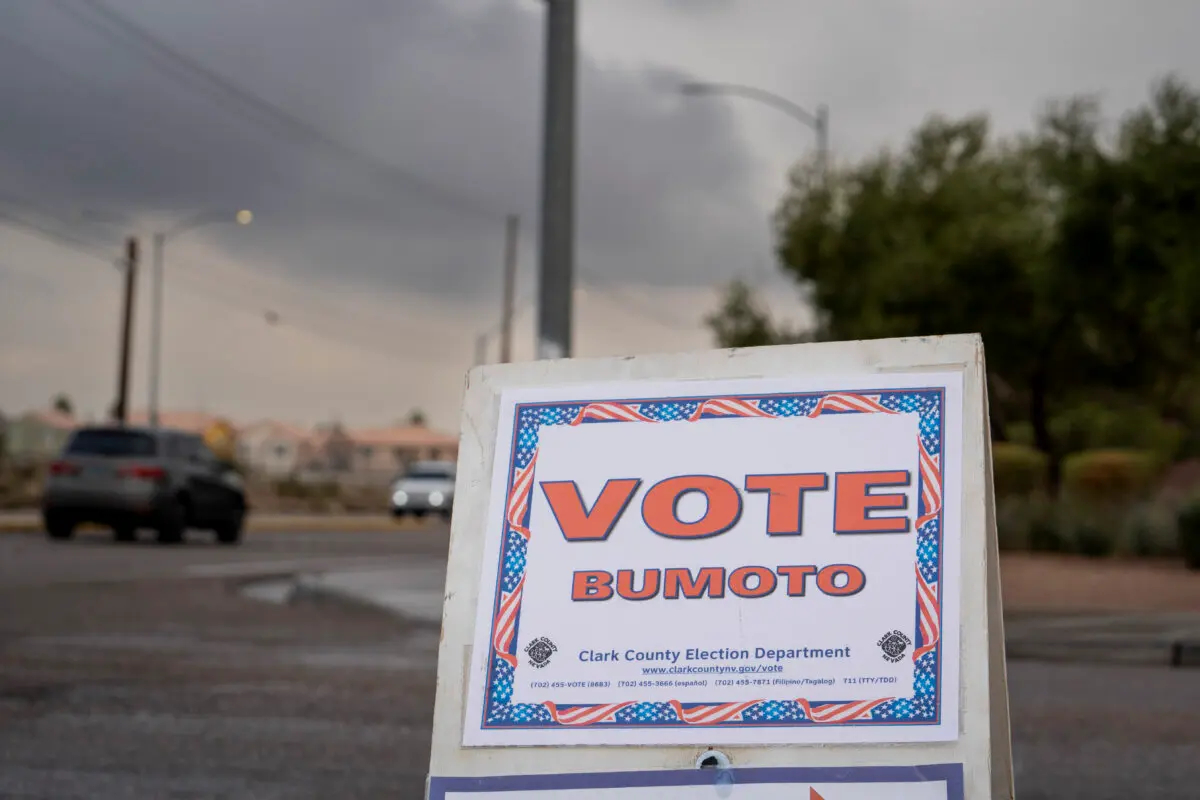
(763, 550)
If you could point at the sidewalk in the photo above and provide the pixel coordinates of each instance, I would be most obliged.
(1056, 607)
(1064, 607)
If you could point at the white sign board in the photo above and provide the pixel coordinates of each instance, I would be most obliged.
(767, 547)
(764, 558)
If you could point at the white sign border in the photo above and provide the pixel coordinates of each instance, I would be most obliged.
(816, 720)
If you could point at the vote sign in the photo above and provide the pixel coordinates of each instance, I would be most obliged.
(773, 560)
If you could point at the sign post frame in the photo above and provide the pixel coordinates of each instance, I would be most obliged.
(982, 745)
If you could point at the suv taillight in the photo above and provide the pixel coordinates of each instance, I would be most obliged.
(63, 468)
(143, 473)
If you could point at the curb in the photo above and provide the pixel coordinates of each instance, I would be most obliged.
(366, 524)
(1144, 654)
(1185, 654)
(311, 588)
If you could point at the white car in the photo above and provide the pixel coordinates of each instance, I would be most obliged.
(426, 488)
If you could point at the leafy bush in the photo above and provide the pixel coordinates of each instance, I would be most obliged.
(293, 488)
(1046, 533)
(1094, 539)
(1117, 426)
(1017, 469)
(1150, 532)
(1189, 534)
(1020, 520)
(1109, 477)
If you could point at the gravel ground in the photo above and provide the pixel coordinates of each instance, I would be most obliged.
(130, 686)
(141, 672)
(1084, 732)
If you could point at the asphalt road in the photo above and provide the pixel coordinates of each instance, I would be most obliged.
(140, 671)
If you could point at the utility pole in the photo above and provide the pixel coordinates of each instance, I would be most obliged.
(481, 341)
(822, 129)
(156, 299)
(121, 410)
(557, 235)
(511, 230)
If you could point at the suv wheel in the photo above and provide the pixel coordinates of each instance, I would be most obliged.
(172, 523)
(59, 526)
(230, 532)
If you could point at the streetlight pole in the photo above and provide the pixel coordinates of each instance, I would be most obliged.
(510, 283)
(557, 235)
(818, 121)
(156, 291)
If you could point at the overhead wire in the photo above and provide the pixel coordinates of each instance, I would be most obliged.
(234, 299)
(634, 304)
(121, 105)
(57, 237)
(239, 101)
(118, 28)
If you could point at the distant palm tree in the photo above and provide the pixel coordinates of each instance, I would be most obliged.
(416, 418)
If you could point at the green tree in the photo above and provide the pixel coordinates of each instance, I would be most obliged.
(954, 234)
(417, 418)
(741, 321)
(1076, 259)
(1131, 228)
(62, 404)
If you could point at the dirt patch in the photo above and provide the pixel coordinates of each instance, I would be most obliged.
(1068, 583)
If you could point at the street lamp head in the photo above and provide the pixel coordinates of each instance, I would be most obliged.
(244, 217)
(693, 88)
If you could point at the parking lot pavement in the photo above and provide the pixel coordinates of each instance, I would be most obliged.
(30, 558)
(146, 672)
(142, 672)
(1088, 732)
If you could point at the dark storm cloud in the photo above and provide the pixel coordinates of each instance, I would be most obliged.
(447, 92)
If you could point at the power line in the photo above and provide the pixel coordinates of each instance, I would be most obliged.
(636, 304)
(234, 299)
(251, 107)
(287, 318)
(116, 101)
(61, 239)
(227, 295)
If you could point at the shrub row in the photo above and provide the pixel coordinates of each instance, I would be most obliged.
(1144, 530)
(1106, 476)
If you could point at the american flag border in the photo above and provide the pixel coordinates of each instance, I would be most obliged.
(923, 708)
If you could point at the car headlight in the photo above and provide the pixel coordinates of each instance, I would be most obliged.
(400, 497)
(436, 498)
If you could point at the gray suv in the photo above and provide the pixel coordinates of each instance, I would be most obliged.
(129, 478)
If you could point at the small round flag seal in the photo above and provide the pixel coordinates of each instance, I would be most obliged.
(539, 651)
(893, 645)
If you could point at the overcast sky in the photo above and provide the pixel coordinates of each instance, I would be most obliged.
(396, 135)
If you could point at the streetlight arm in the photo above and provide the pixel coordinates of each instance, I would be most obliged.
(209, 217)
(194, 221)
(761, 95)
